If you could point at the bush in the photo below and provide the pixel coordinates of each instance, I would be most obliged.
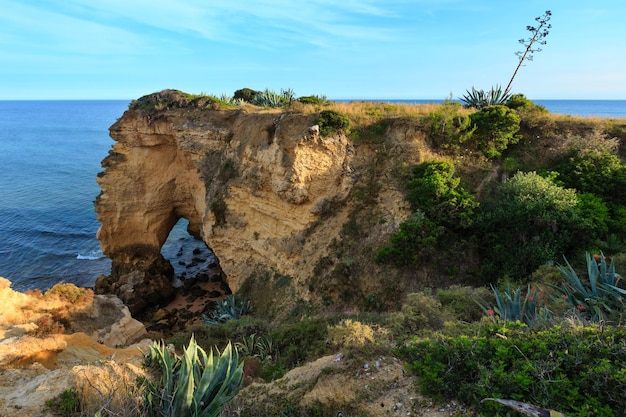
(351, 333)
(449, 126)
(416, 237)
(246, 94)
(420, 313)
(529, 221)
(496, 127)
(579, 371)
(67, 403)
(300, 342)
(460, 301)
(592, 171)
(520, 103)
(332, 123)
(435, 189)
(442, 210)
(315, 100)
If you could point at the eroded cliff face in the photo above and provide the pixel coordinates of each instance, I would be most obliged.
(251, 185)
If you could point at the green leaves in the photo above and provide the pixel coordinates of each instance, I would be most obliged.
(231, 307)
(332, 122)
(599, 296)
(194, 385)
(510, 306)
(579, 370)
(479, 99)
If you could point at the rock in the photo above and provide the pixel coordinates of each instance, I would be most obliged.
(185, 162)
(38, 366)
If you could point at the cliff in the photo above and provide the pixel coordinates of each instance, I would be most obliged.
(264, 190)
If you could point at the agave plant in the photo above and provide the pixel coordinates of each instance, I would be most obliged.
(600, 296)
(479, 99)
(194, 385)
(511, 307)
(258, 347)
(231, 307)
(269, 98)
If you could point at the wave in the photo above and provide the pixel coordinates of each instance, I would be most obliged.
(91, 256)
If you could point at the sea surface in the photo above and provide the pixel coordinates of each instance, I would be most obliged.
(51, 153)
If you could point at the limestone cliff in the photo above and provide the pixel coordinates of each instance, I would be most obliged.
(254, 185)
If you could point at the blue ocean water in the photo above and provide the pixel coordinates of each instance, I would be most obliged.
(52, 151)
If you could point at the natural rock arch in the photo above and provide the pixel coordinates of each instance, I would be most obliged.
(251, 185)
(148, 185)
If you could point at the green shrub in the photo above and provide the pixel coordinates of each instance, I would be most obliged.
(299, 342)
(435, 189)
(416, 238)
(421, 313)
(448, 127)
(529, 221)
(591, 171)
(519, 102)
(66, 404)
(194, 385)
(246, 94)
(441, 210)
(332, 122)
(496, 127)
(460, 301)
(315, 100)
(579, 371)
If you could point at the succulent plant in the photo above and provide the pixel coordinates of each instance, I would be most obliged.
(192, 385)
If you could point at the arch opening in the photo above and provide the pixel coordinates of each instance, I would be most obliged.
(193, 261)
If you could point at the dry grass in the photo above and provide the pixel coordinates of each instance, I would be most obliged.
(110, 389)
(47, 310)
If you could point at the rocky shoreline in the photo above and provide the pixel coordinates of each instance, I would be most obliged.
(47, 339)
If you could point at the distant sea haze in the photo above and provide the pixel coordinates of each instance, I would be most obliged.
(51, 154)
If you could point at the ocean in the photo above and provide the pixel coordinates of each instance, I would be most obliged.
(52, 152)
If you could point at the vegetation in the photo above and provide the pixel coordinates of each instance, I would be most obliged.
(514, 362)
(496, 197)
(599, 298)
(231, 307)
(479, 99)
(529, 221)
(332, 122)
(441, 210)
(194, 385)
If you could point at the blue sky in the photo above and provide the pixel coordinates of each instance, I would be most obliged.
(348, 49)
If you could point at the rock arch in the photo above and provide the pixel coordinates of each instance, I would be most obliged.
(147, 186)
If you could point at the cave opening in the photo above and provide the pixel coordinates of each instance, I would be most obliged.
(190, 257)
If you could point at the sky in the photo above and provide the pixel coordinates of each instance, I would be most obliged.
(347, 49)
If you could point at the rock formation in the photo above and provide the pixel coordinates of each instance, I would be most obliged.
(47, 340)
(248, 183)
